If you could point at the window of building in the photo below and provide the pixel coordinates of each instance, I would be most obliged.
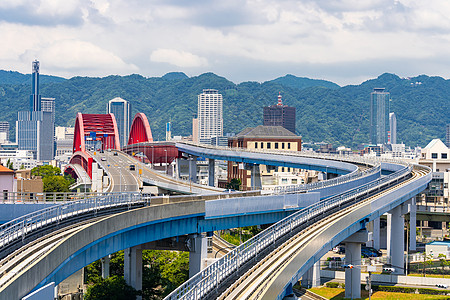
(282, 169)
(288, 169)
(5, 194)
(282, 145)
(276, 145)
(256, 145)
(284, 180)
(294, 181)
(268, 145)
(434, 155)
(262, 145)
(444, 155)
(289, 145)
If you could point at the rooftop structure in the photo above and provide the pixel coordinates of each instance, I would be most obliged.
(280, 115)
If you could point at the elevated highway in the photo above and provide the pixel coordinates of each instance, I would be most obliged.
(113, 224)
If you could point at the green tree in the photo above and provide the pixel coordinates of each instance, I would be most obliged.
(55, 184)
(9, 164)
(45, 171)
(443, 262)
(234, 184)
(112, 288)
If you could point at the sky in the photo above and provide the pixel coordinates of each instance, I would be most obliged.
(344, 41)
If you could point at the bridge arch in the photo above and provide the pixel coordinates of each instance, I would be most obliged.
(84, 160)
(140, 131)
(91, 128)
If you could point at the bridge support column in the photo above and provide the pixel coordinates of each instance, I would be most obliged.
(193, 169)
(198, 251)
(132, 264)
(211, 168)
(312, 277)
(105, 266)
(256, 177)
(353, 257)
(412, 224)
(395, 239)
(375, 230)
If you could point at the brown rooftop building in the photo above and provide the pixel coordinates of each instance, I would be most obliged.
(264, 138)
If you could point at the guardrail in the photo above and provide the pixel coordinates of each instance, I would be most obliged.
(47, 197)
(298, 188)
(210, 278)
(19, 228)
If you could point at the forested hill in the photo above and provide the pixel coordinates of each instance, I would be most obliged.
(325, 111)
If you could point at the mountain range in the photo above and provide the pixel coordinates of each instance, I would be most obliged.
(325, 111)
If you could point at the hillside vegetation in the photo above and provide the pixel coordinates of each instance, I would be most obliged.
(325, 111)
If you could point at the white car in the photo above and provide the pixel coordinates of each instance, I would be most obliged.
(103, 158)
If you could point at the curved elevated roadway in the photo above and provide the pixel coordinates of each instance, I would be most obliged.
(264, 267)
(100, 237)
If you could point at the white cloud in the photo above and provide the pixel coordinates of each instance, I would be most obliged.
(177, 58)
(80, 57)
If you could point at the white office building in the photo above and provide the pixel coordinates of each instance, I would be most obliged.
(210, 115)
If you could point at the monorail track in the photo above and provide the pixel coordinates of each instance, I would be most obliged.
(256, 282)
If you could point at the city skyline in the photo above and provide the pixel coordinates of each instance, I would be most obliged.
(247, 40)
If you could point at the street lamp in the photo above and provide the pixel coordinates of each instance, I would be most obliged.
(165, 150)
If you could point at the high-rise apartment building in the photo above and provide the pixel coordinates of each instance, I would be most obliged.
(393, 128)
(122, 112)
(35, 128)
(447, 136)
(210, 115)
(379, 116)
(4, 127)
(280, 115)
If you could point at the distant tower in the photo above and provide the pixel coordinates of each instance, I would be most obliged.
(168, 131)
(210, 117)
(280, 115)
(35, 128)
(379, 116)
(122, 112)
(393, 128)
(447, 136)
(35, 98)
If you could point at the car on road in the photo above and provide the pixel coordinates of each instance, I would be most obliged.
(103, 158)
(339, 249)
(132, 167)
(115, 154)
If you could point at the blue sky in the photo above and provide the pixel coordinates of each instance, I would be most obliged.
(345, 41)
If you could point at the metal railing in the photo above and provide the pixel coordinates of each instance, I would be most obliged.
(47, 197)
(209, 279)
(19, 228)
(299, 188)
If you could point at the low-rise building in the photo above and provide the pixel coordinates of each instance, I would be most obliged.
(273, 138)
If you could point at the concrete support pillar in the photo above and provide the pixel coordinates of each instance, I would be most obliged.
(353, 257)
(412, 224)
(256, 177)
(193, 169)
(395, 239)
(312, 277)
(211, 168)
(198, 252)
(353, 275)
(132, 264)
(105, 266)
(177, 168)
(376, 233)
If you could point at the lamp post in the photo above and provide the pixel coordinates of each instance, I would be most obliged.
(152, 156)
(165, 150)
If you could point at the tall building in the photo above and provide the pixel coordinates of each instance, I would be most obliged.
(447, 136)
(35, 128)
(210, 115)
(4, 128)
(393, 128)
(280, 115)
(122, 112)
(379, 116)
(35, 97)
